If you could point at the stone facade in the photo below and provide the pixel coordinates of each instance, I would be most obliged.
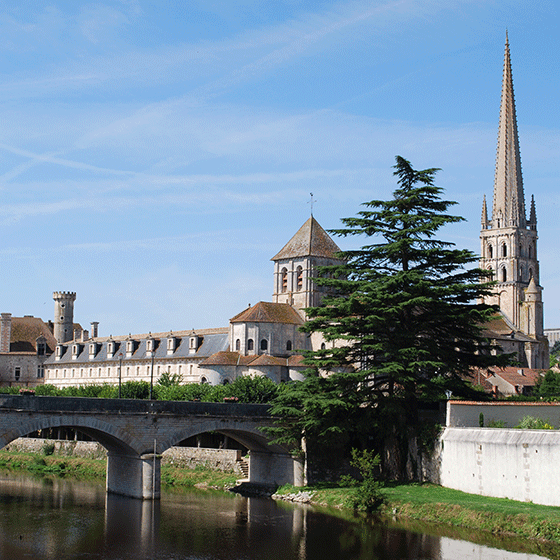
(25, 345)
(509, 246)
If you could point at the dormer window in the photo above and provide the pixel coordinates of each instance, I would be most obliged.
(110, 349)
(130, 347)
(75, 351)
(41, 348)
(194, 343)
(92, 350)
(59, 352)
(171, 344)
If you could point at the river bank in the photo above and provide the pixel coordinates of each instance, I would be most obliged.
(427, 503)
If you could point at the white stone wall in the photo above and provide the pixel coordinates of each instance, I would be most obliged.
(516, 464)
(27, 363)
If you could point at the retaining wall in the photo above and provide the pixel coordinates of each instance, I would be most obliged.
(517, 464)
(186, 457)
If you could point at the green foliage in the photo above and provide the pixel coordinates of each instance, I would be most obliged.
(369, 496)
(135, 390)
(404, 312)
(48, 449)
(167, 379)
(481, 420)
(548, 386)
(532, 423)
(497, 424)
(256, 390)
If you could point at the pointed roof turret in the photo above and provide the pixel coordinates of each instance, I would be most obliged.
(509, 199)
(533, 214)
(484, 217)
(311, 240)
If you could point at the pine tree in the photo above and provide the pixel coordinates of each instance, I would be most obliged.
(403, 321)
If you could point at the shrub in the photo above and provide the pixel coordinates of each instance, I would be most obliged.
(369, 496)
(532, 423)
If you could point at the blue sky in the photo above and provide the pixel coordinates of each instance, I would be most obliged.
(154, 155)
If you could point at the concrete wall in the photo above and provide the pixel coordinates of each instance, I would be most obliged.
(517, 464)
(466, 414)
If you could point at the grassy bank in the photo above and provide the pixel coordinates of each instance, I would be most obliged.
(434, 504)
(94, 469)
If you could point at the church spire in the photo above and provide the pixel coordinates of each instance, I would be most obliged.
(509, 199)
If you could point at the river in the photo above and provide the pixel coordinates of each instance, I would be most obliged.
(56, 519)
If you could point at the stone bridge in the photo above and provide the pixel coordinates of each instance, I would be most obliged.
(136, 433)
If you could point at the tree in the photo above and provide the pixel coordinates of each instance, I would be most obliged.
(403, 322)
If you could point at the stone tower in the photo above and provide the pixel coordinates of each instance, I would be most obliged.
(296, 265)
(508, 239)
(64, 316)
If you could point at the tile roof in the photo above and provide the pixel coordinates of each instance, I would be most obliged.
(267, 312)
(26, 330)
(236, 359)
(311, 240)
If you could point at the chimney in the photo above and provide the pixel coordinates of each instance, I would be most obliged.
(5, 332)
(94, 329)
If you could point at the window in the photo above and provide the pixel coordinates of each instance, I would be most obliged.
(41, 348)
(284, 274)
(323, 346)
(490, 251)
(289, 346)
(264, 344)
(504, 250)
(250, 344)
(299, 272)
(40, 371)
(504, 275)
(225, 382)
(203, 380)
(237, 345)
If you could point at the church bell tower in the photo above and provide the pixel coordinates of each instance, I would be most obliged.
(508, 239)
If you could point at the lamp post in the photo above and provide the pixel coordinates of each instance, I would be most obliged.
(152, 376)
(120, 373)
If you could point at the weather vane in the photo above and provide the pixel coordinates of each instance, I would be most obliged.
(311, 202)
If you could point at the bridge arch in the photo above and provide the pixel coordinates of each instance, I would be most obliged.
(111, 437)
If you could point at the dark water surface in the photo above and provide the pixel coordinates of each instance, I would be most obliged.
(58, 520)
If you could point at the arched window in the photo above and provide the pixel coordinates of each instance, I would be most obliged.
(225, 382)
(504, 250)
(250, 344)
(203, 380)
(289, 346)
(284, 280)
(299, 272)
(504, 274)
(323, 346)
(490, 251)
(530, 251)
(237, 345)
(264, 344)
(530, 273)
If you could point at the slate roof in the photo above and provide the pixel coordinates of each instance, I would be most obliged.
(24, 334)
(266, 312)
(311, 240)
(214, 340)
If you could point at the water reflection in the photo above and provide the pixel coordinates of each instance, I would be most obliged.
(61, 520)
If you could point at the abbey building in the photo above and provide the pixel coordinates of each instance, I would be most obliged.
(509, 246)
(263, 339)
